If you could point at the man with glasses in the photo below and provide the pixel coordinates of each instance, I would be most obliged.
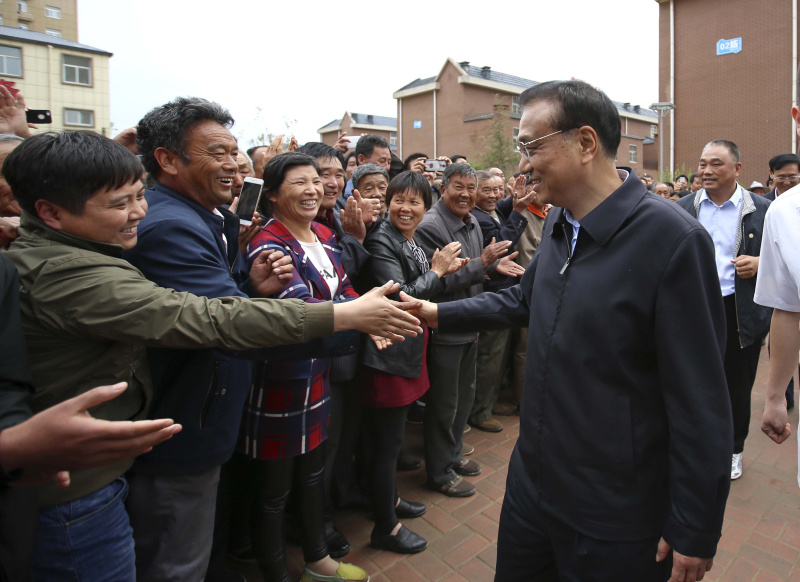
(621, 470)
(784, 169)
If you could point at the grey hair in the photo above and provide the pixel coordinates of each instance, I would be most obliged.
(166, 127)
(461, 169)
(484, 175)
(9, 137)
(365, 170)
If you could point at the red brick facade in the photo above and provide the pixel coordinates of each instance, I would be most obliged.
(745, 97)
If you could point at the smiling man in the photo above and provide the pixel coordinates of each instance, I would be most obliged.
(734, 218)
(625, 430)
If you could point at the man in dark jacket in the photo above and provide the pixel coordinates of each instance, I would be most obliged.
(500, 220)
(625, 430)
(734, 218)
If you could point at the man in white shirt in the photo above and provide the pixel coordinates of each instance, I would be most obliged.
(734, 217)
(779, 288)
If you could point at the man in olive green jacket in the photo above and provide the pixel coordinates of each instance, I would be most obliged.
(88, 316)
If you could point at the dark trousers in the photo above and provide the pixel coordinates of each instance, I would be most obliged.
(386, 435)
(533, 546)
(741, 365)
(275, 479)
(345, 431)
(452, 375)
(19, 517)
(492, 362)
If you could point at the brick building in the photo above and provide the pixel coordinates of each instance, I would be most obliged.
(744, 94)
(357, 123)
(57, 18)
(449, 113)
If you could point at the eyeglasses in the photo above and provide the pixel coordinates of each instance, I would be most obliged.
(522, 148)
(786, 178)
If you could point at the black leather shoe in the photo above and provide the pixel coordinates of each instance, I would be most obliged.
(407, 462)
(409, 509)
(338, 545)
(405, 542)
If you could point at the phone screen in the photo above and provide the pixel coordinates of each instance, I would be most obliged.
(248, 201)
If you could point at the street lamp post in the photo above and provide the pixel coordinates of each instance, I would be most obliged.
(662, 107)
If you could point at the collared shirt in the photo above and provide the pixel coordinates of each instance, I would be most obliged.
(576, 226)
(778, 283)
(224, 238)
(721, 222)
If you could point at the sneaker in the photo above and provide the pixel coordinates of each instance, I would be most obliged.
(467, 449)
(467, 468)
(344, 573)
(736, 466)
(467, 428)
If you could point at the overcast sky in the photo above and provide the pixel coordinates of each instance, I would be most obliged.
(301, 59)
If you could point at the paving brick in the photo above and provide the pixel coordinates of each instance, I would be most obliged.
(440, 519)
(466, 551)
(484, 526)
(764, 576)
(768, 561)
(451, 540)
(454, 577)
(773, 547)
(476, 504)
(477, 571)
(771, 525)
(740, 571)
(489, 556)
(404, 572)
(493, 512)
(429, 565)
(733, 537)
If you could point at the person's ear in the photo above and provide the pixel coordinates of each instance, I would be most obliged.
(51, 214)
(588, 142)
(167, 160)
(361, 159)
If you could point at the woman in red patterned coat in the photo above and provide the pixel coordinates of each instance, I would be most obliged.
(286, 415)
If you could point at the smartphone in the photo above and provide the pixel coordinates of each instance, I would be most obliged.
(435, 166)
(38, 116)
(248, 200)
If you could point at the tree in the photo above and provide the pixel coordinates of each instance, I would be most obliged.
(266, 136)
(498, 147)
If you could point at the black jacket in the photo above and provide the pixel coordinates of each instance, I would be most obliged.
(754, 319)
(512, 225)
(626, 429)
(392, 258)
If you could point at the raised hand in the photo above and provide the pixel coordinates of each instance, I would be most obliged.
(370, 207)
(342, 144)
(352, 216)
(127, 138)
(12, 113)
(444, 259)
(494, 251)
(508, 267)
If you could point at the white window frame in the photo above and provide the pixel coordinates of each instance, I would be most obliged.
(653, 130)
(393, 138)
(77, 69)
(53, 32)
(22, 5)
(22, 26)
(78, 123)
(1, 16)
(3, 58)
(515, 108)
(633, 153)
(52, 12)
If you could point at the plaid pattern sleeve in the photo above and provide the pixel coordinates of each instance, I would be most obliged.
(288, 407)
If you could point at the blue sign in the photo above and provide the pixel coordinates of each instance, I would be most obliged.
(417, 124)
(726, 47)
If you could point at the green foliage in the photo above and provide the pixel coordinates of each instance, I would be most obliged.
(497, 147)
(667, 176)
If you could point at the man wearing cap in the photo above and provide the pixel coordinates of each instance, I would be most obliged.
(757, 188)
(735, 219)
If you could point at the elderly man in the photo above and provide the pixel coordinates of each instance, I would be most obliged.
(371, 181)
(610, 471)
(452, 356)
(370, 149)
(734, 218)
(188, 242)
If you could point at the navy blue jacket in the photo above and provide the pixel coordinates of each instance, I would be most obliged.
(180, 246)
(625, 429)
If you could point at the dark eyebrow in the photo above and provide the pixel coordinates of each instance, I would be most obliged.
(120, 198)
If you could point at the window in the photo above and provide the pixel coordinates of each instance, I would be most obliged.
(393, 139)
(22, 6)
(52, 12)
(77, 70)
(53, 32)
(653, 130)
(515, 134)
(515, 109)
(1, 18)
(10, 61)
(22, 26)
(79, 117)
(633, 154)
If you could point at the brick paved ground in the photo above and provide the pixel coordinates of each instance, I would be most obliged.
(760, 540)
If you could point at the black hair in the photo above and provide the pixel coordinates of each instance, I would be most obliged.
(410, 181)
(681, 176)
(732, 148)
(692, 177)
(411, 158)
(252, 150)
(577, 104)
(68, 169)
(457, 157)
(166, 127)
(318, 150)
(275, 173)
(783, 160)
(347, 159)
(367, 144)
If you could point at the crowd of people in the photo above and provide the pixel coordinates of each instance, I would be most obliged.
(178, 389)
